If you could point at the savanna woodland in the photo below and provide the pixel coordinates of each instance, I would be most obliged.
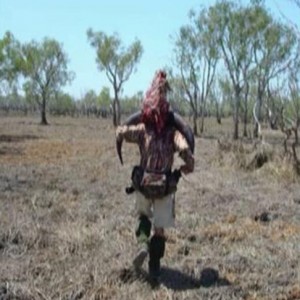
(66, 224)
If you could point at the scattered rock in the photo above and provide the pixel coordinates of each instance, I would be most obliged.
(265, 217)
(192, 238)
(75, 192)
(262, 154)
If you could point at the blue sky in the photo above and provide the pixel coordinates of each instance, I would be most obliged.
(152, 22)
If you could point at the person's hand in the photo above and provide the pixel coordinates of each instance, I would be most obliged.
(129, 190)
(177, 174)
(185, 169)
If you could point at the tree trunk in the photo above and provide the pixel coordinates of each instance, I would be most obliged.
(114, 113)
(245, 133)
(43, 111)
(259, 105)
(195, 127)
(116, 109)
(118, 112)
(296, 137)
(202, 124)
(203, 112)
(236, 114)
(245, 117)
(218, 115)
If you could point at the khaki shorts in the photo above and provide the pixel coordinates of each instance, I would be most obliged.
(162, 211)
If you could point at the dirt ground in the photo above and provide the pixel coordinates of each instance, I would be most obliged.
(67, 226)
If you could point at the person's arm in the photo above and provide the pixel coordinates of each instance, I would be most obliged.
(131, 134)
(185, 153)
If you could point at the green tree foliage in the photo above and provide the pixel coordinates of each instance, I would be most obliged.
(274, 43)
(293, 109)
(89, 103)
(117, 61)
(177, 95)
(132, 104)
(104, 100)
(62, 104)
(232, 33)
(9, 62)
(196, 58)
(45, 67)
(90, 98)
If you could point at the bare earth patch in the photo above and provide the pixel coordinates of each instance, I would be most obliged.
(67, 226)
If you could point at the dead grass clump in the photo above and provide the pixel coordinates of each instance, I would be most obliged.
(77, 237)
(46, 152)
(244, 156)
(229, 233)
(16, 291)
(246, 229)
(291, 294)
(282, 169)
(262, 154)
(230, 153)
(20, 238)
(13, 242)
(227, 145)
(284, 230)
(10, 152)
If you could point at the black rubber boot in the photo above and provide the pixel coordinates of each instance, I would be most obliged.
(156, 251)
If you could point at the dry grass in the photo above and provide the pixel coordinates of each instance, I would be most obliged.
(67, 227)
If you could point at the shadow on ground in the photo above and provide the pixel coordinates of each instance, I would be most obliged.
(16, 138)
(175, 279)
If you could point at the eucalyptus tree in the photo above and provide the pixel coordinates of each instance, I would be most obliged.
(132, 104)
(117, 61)
(226, 89)
(196, 58)
(217, 100)
(232, 33)
(274, 48)
(104, 102)
(45, 67)
(9, 62)
(104, 98)
(187, 62)
(177, 95)
(62, 104)
(294, 90)
(89, 103)
(208, 59)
